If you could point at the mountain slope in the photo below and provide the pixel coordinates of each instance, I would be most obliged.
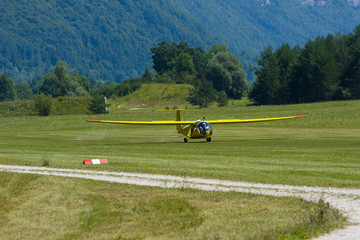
(249, 26)
(107, 40)
(111, 40)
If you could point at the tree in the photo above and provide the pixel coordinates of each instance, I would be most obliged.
(267, 84)
(60, 83)
(34, 86)
(287, 59)
(317, 74)
(350, 83)
(7, 90)
(202, 94)
(226, 73)
(97, 105)
(162, 57)
(178, 60)
(184, 68)
(43, 104)
(148, 77)
(222, 99)
(23, 91)
(215, 49)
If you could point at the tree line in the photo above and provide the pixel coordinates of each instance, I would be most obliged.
(327, 68)
(215, 74)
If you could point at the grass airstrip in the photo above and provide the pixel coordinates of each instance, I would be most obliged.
(321, 150)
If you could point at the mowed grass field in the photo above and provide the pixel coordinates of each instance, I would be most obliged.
(321, 150)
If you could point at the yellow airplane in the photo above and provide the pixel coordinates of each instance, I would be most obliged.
(194, 129)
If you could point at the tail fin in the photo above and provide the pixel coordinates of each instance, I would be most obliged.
(178, 117)
(178, 112)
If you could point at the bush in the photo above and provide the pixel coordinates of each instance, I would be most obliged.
(97, 105)
(222, 99)
(43, 104)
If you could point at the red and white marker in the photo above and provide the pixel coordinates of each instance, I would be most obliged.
(95, 161)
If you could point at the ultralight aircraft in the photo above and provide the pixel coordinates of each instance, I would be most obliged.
(195, 129)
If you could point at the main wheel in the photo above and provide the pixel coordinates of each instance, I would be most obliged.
(208, 139)
(185, 140)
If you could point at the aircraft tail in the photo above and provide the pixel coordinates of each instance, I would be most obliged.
(180, 128)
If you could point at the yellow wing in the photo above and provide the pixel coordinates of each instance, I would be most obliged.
(222, 121)
(145, 123)
(226, 121)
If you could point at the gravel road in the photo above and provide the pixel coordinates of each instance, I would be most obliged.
(346, 200)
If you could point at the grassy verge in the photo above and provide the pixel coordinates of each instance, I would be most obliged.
(41, 207)
(156, 94)
(61, 106)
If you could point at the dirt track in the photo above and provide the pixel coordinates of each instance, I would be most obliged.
(346, 200)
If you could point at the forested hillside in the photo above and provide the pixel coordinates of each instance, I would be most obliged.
(111, 40)
(108, 40)
(249, 26)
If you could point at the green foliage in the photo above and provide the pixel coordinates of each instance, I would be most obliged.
(349, 55)
(43, 104)
(97, 105)
(248, 26)
(184, 64)
(129, 86)
(268, 86)
(78, 31)
(226, 73)
(60, 83)
(148, 77)
(315, 219)
(71, 105)
(106, 89)
(222, 99)
(17, 108)
(203, 93)
(155, 94)
(178, 61)
(23, 91)
(317, 75)
(7, 90)
(324, 69)
(184, 68)
(61, 106)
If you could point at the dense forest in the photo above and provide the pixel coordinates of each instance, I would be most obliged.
(108, 40)
(326, 68)
(111, 40)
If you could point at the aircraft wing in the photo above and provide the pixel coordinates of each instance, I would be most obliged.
(145, 123)
(222, 121)
(226, 121)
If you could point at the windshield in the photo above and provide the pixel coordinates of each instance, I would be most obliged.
(203, 127)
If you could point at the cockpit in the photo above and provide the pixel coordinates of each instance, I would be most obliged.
(204, 127)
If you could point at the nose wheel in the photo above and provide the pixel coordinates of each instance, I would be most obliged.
(208, 139)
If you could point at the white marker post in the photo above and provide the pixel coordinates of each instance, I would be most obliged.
(105, 104)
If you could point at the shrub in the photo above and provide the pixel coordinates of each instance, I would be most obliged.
(43, 104)
(222, 99)
(97, 105)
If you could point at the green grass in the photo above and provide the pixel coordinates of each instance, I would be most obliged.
(321, 150)
(42, 207)
(155, 94)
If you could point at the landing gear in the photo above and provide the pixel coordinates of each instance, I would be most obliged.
(185, 140)
(208, 139)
